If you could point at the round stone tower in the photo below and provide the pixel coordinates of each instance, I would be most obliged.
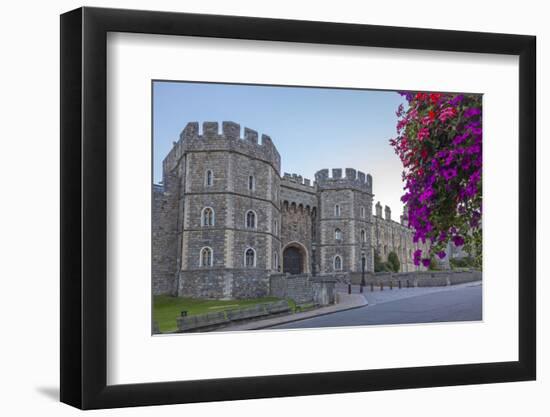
(228, 213)
(344, 221)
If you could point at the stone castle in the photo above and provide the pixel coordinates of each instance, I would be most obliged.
(225, 219)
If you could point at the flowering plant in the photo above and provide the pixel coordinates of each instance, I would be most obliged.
(439, 142)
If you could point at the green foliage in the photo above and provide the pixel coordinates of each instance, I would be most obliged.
(167, 308)
(393, 262)
(434, 265)
(379, 266)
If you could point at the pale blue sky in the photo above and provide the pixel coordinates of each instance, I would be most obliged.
(312, 128)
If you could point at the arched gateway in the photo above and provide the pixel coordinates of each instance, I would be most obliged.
(294, 259)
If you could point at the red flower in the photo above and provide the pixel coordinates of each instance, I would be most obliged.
(434, 97)
(431, 114)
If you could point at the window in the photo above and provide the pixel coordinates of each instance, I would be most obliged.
(250, 258)
(250, 219)
(363, 212)
(338, 234)
(337, 263)
(363, 237)
(207, 217)
(209, 178)
(206, 258)
(337, 210)
(276, 228)
(251, 183)
(275, 261)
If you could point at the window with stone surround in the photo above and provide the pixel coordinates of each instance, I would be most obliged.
(251, 183)
(363, 212)
(337, 210)
(206, 258)
(337, 263)
(209, 178)
(338, 234)
(250, 219)
(276, 228)
(208, 217)
(250, 258)
(363, 236)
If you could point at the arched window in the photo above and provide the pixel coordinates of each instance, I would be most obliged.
(337, 210)
(250, 258)
(251, 183)
(363, 236)
(207, 217)
(337, 263)
(209, 178)
(275, 261)
(206, 258)
(250, 219)
(338, 234)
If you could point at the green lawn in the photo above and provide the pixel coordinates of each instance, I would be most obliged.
(166, 308)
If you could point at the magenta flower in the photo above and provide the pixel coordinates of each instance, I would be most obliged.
(442, 175)
(426, 262)
(458, 240)
(423, 133)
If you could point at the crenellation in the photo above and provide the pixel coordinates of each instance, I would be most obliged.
(191, 131)
(231, 130)
(351, 174)
(361, 176)
(336, 173)
(250, 135)
(210, 129)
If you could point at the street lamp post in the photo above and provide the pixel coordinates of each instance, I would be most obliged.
(363, 261)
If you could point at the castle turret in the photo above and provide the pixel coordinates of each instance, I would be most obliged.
(387, 212)
(345, 201)
(378, 209)
(224, 191)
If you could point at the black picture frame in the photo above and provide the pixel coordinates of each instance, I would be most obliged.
(84, 207)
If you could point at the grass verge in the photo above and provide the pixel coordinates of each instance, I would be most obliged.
(166, 308)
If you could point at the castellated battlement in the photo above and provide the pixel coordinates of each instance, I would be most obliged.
(296, 179)
(228, 139)
(343, 178)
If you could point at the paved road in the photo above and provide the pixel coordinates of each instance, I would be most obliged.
(455, 304)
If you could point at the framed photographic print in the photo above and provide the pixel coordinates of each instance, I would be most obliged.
(258, 208)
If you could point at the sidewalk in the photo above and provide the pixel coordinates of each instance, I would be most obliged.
(387, 295)
(347, 302)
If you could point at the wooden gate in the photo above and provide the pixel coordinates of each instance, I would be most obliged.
(293, 261)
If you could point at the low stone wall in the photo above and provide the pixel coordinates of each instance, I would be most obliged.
(221, 283)
(216, 320)
(419, 278)
(303, 288)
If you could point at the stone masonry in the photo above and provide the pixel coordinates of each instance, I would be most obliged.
(225, 219)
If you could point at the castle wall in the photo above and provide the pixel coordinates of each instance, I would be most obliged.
(298, 208)
(352, 194)
(231, 160)
(290, 211)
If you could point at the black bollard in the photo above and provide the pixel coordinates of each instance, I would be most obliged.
(371, 287)
(408, 284)
(391, 285)
(349, 288)
(381, 286)
(399, 282)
